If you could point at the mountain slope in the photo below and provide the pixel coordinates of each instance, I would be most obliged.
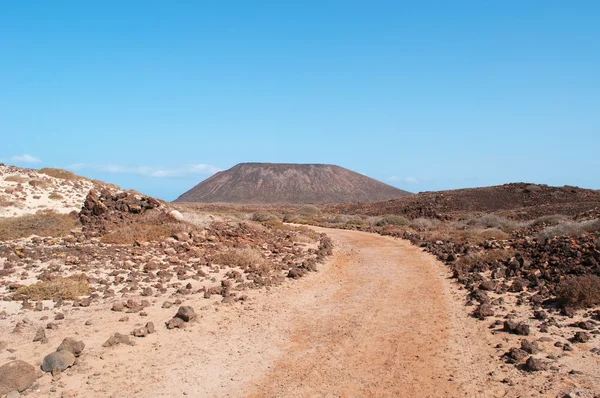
(289, 183)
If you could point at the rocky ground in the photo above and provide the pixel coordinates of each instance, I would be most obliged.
(129, 261)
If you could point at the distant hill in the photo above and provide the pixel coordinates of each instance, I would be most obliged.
(519, 200)
(272, 183)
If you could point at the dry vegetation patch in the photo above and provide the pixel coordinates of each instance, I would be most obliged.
(58, 287)
(46, 223)
(16, 178)
(580, 291)
(570, 228)
(61, 174)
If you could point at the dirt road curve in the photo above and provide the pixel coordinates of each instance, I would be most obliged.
(378, 320)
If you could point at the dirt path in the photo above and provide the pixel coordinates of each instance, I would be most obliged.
(380, 319)
(376, 321)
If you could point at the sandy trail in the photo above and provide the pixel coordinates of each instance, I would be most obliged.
(378, 320)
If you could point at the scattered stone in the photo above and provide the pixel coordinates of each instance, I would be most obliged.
(75, 347)
(520, 328)
(535, 364)
(581, 337)
(40, 335)
(117, 339)
(515, 355)
(58, 359)
(16, 376)
(483, 311)
(167, 304)
(185, 313)
(175, 323)
(531, 347)
(118, 307)
(150, 327)
(59, 316)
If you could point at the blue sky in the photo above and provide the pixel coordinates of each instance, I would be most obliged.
(423, 95)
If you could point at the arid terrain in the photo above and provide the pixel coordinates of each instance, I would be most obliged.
(492, 292)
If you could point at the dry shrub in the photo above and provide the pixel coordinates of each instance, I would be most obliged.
(569, 228)
(16, 178)
(264, 217)
(55, 196)
(61, 174)
(59, 287)
(6, 201)
(39, 183)
(424, 224)
(358, 222)
(43, 223)
(240, 257)
(393, 220)
(488, 257)
(579, 291)
(302, 238)
(152, 226)
(549, 220)
(469, 235)
(495, 221)
(309, 211)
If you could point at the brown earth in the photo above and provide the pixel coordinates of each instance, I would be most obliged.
(289, 183)
(517, 200)
(380, 319)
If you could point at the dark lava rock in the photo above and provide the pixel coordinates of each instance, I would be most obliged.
(520, 328)
(483, 311)
(73, 346)
(532, 347)
(535, 364)
(515, 355)
(185, 313)
(581, 337)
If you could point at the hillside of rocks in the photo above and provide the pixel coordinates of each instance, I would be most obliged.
(516, 200)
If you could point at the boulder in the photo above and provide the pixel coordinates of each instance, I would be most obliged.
(16, 375)
(58, 359)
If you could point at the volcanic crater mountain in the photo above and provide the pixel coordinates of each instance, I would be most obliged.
(289, 183)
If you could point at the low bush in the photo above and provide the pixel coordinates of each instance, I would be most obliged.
(59, 287)
(44, 223)
(241, 258)
(55, 196)
(579, 291)
(393, 220)
(309, 211)
(569, 228)
(424, 224)
(553, 219)
(263, 217)
(495, 221)
(16, 178)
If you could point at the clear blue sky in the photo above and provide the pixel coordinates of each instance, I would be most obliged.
(423, 95)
